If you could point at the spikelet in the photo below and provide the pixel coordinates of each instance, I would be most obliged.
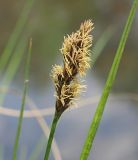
(76, 51)
(76, 59)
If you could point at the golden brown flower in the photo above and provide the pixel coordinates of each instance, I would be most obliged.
(76, 59)
(76, 51)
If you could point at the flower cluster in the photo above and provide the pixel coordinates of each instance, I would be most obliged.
(76, 59)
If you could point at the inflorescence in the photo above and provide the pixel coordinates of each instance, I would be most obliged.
(76, 60)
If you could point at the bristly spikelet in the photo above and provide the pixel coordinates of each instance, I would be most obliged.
(57, 74)
(76, 51)
(76, 59)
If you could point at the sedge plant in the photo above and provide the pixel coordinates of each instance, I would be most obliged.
(19, 127)
(76, 60)
(96, 51)
(111, 77)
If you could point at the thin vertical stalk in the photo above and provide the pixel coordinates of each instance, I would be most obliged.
(52, 132)
(13, 66)
(99, 112)
(23, 102)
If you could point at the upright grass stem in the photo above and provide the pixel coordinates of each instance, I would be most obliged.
(52, 131)
(15, 34)
(99, 112)
(23, 102)
(76, 59)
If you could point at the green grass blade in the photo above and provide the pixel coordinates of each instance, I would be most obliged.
(23, 102)
(37, 150)
(99, 112)
(23, 153)
(14, 62)
(13, 65)
(101, 43)
(15, 34)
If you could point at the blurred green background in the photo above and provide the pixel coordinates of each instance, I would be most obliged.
(47, 22)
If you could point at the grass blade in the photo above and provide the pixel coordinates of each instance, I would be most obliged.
(99, 112)
(13, 66)
(23, 153)
(15, 62)
(37, 150)
(23, 101)
(101, 43)
(15, 34)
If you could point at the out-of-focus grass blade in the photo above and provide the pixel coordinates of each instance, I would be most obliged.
(14, 62)
(13, 65)
(23, 153)
(101, 43)
(15, 34)
(23, 101)
(112, 74)
(37, 150)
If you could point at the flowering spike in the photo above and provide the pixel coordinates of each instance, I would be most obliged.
(76, 59)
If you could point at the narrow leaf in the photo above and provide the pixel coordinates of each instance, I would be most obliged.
(23, 101)
(99, 112)
(15, 34)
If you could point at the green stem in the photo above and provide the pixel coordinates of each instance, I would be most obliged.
(52, 131)
(18, 132)
(99, 111)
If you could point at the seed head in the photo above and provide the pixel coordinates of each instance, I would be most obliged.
(75, 50)
(76, 59)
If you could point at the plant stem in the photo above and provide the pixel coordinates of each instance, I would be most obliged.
(111, 77)
(23, 102)
(52, 131)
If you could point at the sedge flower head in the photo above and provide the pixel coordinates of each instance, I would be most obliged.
(76, 60)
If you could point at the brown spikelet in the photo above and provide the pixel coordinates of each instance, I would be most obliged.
(76, 59)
